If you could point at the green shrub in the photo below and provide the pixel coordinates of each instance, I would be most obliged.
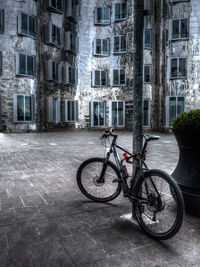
(187, 120)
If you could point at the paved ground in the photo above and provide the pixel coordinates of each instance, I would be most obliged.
(46, 221)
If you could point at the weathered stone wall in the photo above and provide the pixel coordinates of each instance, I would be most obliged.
(10, 44)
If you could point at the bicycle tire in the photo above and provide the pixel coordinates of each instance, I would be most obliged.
(111, 172)
(174, 204)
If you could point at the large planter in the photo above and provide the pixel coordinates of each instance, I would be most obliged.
(187, 172)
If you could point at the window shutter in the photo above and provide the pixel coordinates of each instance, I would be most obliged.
(170, 30)
(66, 74)
(168, 68)
(111, 77)
(167, 111)
(33, 107)
(48, 33)
(19, 22)
(50, 109)
(69, 8)
(49, 3)
(77, 12)
(76, 110)
(95, 15)
(110, 113)
(66, 110)
(34, 65)
(94, 46)
(2, 21)
(1, 63)
(113, 12)
(77, 44)
(62, 33)
(76, 76)
(17, 63)
(15, 107)
(108, 46)
(48, 70)
(59, 73)
(57, 110)
(93, 77)
(36, 26)
(67, 40)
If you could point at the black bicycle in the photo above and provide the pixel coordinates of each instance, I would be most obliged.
(157, 199)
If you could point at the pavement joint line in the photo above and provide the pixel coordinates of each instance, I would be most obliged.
(43, 199)
(22, 202)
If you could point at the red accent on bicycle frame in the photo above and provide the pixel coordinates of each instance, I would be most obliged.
(127, 157)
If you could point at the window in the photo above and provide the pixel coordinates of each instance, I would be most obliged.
(147, 73)
(120, 44)
(2, 25)
(72, 9)
(174, 106)
(146, 113)
(119, 77)
(25, 65)
(117, 113)
(55, 5)
(53, 109)
(54, 35)
(101, 47)
(98, 113)
(70, 75)
(71, 110)
(179, 29)
(23, 108)
(178, 68)
(1, 63)
(121, 11)
(71, 42)
(147, 38)
(99, 78)
(53, 71)
(27, 25)
(102, 15)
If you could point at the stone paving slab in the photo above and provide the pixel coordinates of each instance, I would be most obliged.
(46, 221)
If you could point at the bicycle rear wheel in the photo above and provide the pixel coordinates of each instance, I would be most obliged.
(161, 213)
(88, 175)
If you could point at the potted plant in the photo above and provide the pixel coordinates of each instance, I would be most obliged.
(186, 128)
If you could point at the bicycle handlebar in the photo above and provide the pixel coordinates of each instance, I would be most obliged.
(109, 132)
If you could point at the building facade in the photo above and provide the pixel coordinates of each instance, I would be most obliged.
(69, 64)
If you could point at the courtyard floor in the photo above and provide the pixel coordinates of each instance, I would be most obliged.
(46, 221)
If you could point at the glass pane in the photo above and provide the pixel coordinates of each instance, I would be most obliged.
(73, 115)
(120, 113)
(22, 64)
(55, 71)
(182, 67)
(103, 78)
(180, 105)
(172, 109)
(24, 22)
(116, 44)
(59, 4)
(99, 15)
(115, 77)
(101, 113)
(28, 112)
(146, 113)
(97, 78)
(72, 75)
(95, 113)
(114, 113)
(146, 74)
(20, 108)
(184, 28)
(175, 29)
(174, 70)
(54, 35)
(106, 18)
(122, 77)
(117, 11)
(69, 110)
(32, 26)
(29, 65)
(53, 3)
(123, 10)
(98, 46)
(147, 39)
(123, 43)
(73, 42)
(58, 36)
(105, 47)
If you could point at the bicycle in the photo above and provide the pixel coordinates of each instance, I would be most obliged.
(158, 204)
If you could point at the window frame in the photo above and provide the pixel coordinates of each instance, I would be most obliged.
(68, 42)
(171, 29)
(150, 74)
(15, 108)
(66, 75)
(2, 20)
(49, 35)
(110, 113)
(69, 8)
(149, 113)
(167, 101)
(94, 78)
(53, 109)
(150, 46)
(178, 64)
(120, 44)
(55, 9)
(19, 20)
(18, 65)
(112, 78)
(92, 117)
(75, 110)
(49, 75)
(95, 47)
(120, 19)
(102, 23)
(1, 63)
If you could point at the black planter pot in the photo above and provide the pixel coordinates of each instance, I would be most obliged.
(187, 172)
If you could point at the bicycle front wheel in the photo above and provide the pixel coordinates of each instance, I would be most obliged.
(88, 175)
(160, 214)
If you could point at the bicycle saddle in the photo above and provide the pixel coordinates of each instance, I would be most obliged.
(152, 137)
